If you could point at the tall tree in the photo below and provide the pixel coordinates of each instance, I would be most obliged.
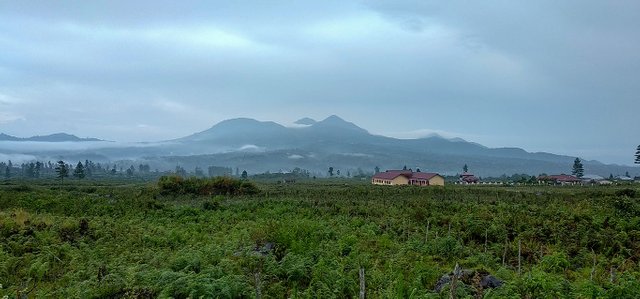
(578, 169)
(38, 169)
(79, 171)
(465, 168)
(377, 169)
(244, 174)
(331, 171)
(62, 171)
(638, 155)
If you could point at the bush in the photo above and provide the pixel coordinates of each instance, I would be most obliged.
(213, 204)
(206, 186)
(628, 192)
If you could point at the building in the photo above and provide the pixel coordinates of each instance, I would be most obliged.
(468, 178)
(407, 177)
(560, 179)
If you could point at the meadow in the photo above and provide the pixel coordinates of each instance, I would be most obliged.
(109, 239)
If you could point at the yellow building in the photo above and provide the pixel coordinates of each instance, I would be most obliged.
(407, 177)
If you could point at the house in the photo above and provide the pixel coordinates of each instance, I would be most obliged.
(407, 177)
(468, 178)
(624, 179)
(560, 179)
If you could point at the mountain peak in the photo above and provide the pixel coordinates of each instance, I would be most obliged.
(334, 119)
(305, 121)
(335, 122)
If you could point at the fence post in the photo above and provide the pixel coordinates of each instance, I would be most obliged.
(519, 256)
(426, 235)
(362, 283)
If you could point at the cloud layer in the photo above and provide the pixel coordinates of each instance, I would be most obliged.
(542, 75)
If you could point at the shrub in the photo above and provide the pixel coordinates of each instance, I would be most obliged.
(628, 192)
(206, 186)
(213, 204)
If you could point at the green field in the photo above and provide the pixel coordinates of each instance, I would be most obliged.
(309, 240)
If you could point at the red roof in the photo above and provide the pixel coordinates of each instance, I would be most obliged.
(423, 175)
(392, 174)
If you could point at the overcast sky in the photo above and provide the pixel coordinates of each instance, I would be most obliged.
(556, 76)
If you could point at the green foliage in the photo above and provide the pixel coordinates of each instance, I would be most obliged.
(206, 186)
(578, 168)
(309, 240)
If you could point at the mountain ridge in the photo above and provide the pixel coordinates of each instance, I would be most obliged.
(260, 146)
(55, 137)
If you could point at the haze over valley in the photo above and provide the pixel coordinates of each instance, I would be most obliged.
(266, 146)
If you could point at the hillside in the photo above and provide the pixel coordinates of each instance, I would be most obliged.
(57, 137)
(260, 146)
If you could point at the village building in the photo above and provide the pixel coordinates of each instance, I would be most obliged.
(560, 179)
(407, 177)
(468, 178)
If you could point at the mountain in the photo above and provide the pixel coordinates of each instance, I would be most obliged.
(260, 146)
(305, 121)
(57, 137)
(264, 145)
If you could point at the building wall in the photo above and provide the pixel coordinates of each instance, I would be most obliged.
(402, 180)
(376, 181)
(436, 181)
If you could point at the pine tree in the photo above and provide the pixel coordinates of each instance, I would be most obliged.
(62, 171)
(79, 171)
(578, 169)
(638, 155)
(465, 168)
(244, 174)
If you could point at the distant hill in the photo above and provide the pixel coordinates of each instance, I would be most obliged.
(57, 137)
(260, 146)
(305, 121)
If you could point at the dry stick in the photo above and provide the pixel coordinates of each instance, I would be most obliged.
(485, 239)
(612, 275)
(258, 287)
(454, 282)
(504, 253)
(519, 256)
(593, 269)
(426, 234)
(362, 284)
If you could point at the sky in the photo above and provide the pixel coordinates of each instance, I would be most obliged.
(553, 76)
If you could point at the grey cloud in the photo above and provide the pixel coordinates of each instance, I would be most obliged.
(507, 72)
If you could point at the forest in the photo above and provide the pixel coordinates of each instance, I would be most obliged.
(325, 238)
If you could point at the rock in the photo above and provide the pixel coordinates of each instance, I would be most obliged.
(466, 277)
(490, 282)
(443, 281)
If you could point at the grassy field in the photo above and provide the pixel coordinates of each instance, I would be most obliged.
(309, 239)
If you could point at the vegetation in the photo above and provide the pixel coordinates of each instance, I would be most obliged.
(637, 161)
(203, 238)
(177, 185)
(578, 169)
(62, 171)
